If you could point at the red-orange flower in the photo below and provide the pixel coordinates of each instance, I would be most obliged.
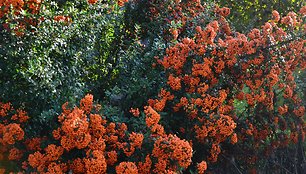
(136, 139)
(77, 166)
(112, 157)
(86, 103)
(145, 167)
(234, 138)
(174, 82)
(92, 1)
(202, 167)
(12, 133)
(36, 159)
(135, 112)
(15, 154)
(65, 19)
(275, 15)
(283, 109)
(53, 152)
(21, 116)
(300, 111)
(152, 117)
(121, 2)
(126, 168)
(96, 164)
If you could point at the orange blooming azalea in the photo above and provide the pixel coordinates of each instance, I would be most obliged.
(303, 10)
(214, 152)
(55, 168)
(174, 148)
(53, 152)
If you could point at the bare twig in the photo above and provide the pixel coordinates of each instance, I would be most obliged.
(282, 167)
(232, 162)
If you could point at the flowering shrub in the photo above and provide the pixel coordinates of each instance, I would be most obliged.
(214, 100)
(86, 142)
(210, 75)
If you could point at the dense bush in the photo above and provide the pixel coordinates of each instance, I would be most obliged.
(177, 89)
(70, 51)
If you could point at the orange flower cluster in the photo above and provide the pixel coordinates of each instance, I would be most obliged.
(152, 119)
(145, 167)
(4, 109)
(300, 112)
(86, 103)
(121, 2)
(20, 116)
(64, 19)
(169, 149)
(92, 1)
(75, 130)
(97, 163)
(135, 112)
(15, 154)
(174, 82)
(164, 96)
(283, 110)
(136, 139)
(202, 167)
(126, 168)
(34, 6)
(12, 133)
(46, 163)
(214, 152)
(223, 11)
